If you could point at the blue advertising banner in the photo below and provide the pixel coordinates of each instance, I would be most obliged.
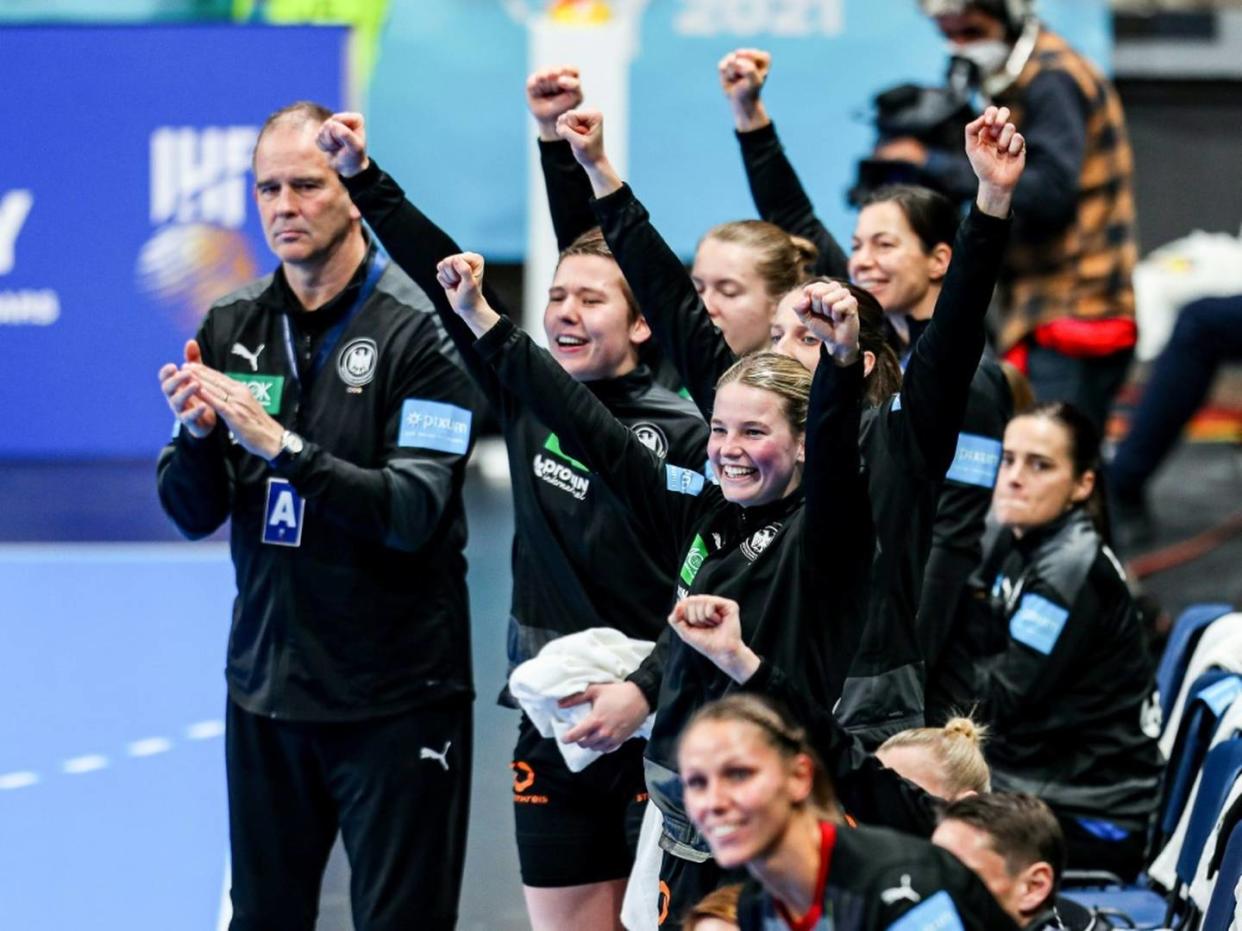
(125, 209)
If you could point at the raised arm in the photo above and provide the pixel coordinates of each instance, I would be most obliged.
(413, 241)
(659, 281)
(839, 533)
(662, 496)
(867, 789)
(549, 93)
(774, 186)
(937, 380)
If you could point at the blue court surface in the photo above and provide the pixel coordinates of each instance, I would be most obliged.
(112, 792)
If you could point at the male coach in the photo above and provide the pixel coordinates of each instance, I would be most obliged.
(317, 408)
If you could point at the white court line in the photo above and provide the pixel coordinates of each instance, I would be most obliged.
(25, 553)
(150, 746)
(84, 764)
(93, 762)
(18, 780)
(205, 730)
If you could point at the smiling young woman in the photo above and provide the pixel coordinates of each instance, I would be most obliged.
(755, 790)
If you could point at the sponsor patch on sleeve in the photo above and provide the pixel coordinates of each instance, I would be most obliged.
(434, 425)
(683, 481)
(936, 913)
(1038, 623)
(976, 460)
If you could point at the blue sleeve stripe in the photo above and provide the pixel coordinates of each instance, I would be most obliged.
(976, 461)
(1038, 623)
(683, 481)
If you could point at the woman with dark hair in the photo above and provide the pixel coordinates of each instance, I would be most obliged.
(901, 250)
(1061, 659)
(756, 791)
(909, 439)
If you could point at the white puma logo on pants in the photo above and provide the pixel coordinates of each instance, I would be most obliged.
(426, 753)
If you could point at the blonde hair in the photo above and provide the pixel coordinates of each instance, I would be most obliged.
(781, 260)
(783, 376)
(719, 903)
(958, 750)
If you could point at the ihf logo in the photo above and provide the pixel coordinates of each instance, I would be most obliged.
(200, 175)
(200, 186)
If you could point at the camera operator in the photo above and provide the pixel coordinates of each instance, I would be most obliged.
(1067, 301)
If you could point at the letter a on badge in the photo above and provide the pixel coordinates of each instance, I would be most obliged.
(282, 525)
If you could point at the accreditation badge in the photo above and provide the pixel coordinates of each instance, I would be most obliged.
(283, 514)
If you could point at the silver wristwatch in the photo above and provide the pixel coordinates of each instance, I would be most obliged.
(290, 445)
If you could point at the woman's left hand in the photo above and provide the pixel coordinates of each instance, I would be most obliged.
(830, 311)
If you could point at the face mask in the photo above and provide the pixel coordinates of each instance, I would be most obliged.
(988, 55)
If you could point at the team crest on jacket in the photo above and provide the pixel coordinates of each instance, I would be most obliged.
(652, 437)
(356, 363)
(759, 541)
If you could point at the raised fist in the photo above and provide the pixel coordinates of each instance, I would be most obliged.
(830, 311)
(551, 92)
(343, 138)
(742, 75)
(584, 129)
(996, 149)
(461, 277)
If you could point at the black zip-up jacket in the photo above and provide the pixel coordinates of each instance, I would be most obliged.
(368, 616)
(880, 879)
(797, 566)
(961, 511)
(580, 560)
(1069, 684)
(908, 442)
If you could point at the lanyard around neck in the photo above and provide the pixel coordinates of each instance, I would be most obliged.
(333, 335)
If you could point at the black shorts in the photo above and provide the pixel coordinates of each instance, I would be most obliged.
(575, 828)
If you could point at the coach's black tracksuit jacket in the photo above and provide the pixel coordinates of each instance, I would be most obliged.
(367, 615)
(797, 566)
(580, 559)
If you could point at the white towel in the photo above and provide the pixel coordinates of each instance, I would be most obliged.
(640, 910)
(567, 666)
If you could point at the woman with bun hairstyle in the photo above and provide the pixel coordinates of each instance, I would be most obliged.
(1063, 672)
(787, 531)
(946, 761)
(755, 789)
(909, 440)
